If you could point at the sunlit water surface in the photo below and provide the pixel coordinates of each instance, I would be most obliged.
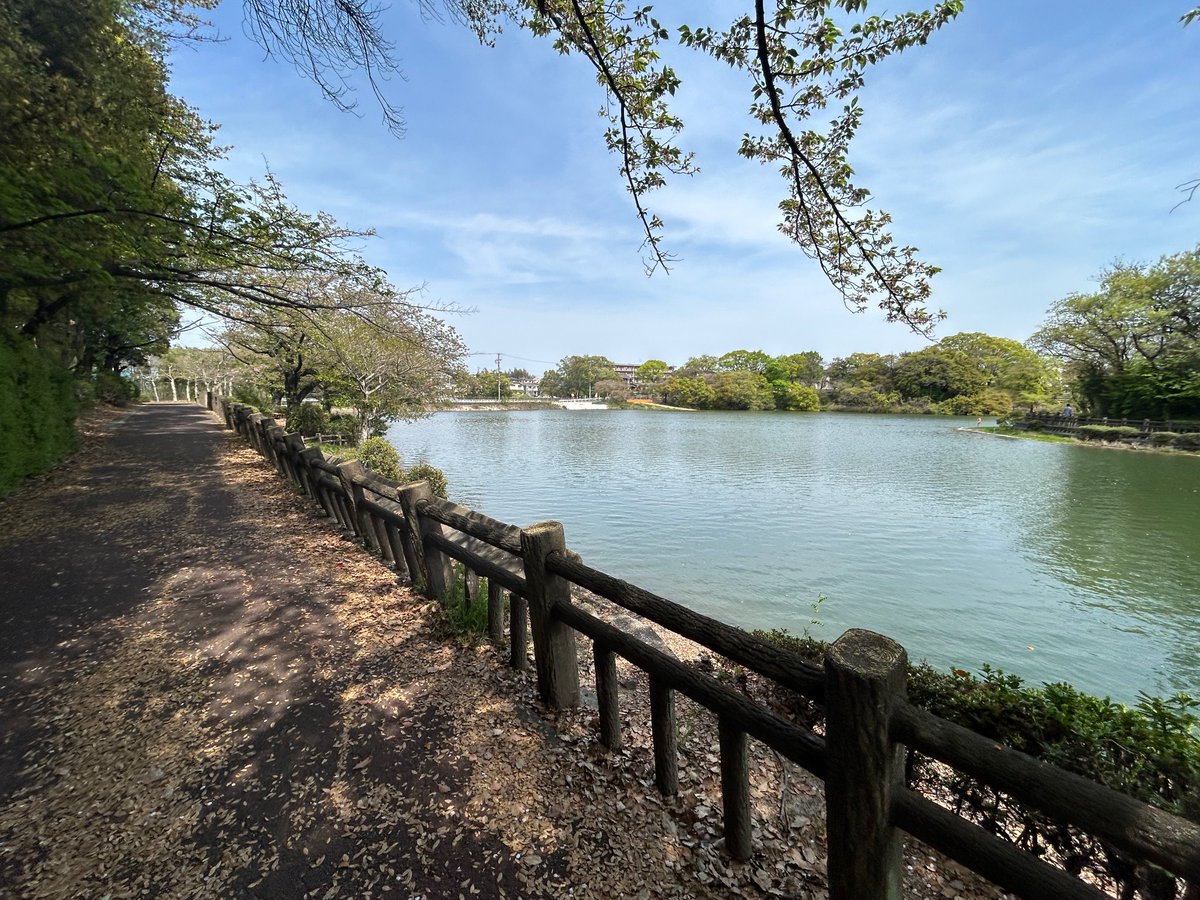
(1055, 562)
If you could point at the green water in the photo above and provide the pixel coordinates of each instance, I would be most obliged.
(1056, 562)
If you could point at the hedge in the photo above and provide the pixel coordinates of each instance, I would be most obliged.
(37, 411)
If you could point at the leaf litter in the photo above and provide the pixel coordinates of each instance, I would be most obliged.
(278, 716)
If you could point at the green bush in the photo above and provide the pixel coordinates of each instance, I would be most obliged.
(1150, 750)
(308, 418)
(251, 395)
(344, 426)
(381, 458)
(114, 390)
(1162, 438)
(37, 411)
(423, 471)
(1187, 441)
(1107, 432)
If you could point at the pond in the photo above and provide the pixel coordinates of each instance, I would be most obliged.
(1055, 562)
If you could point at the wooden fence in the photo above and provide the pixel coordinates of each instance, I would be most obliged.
(1055, 423)
(868, 721)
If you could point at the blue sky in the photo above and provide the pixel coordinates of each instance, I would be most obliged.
(1026, 146)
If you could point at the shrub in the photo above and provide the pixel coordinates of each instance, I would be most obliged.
(1150, 750)
(423, 471)
(307, 418)
(1162, 438)
(344, 426)
(37, 410)
(251, 395)
(1108, 432)
(114, 390)
(1187, 441)
(381, 458)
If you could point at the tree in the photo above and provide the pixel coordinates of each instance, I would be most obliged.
(1131, 347)
(796, 397)
(578, 374)
(689, 391)
(744, 361)
(552, 385)
(798, 368)
(612, 389)
(742, 389)
(488, 385)
(937, 373)
(1004, 363)
(651, 372)
(862, 370)
(388, 367)
(699, 365)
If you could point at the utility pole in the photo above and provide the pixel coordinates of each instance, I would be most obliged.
(497, 377)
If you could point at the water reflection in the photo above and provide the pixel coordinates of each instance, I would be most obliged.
(1054, 562)
(1126, 538)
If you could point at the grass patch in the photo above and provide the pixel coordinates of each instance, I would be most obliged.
(1029, 435)
(467, 615)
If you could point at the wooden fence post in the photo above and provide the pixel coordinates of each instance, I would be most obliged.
(554, 653)
(349, 472)
(495, 614)
(518, 622)
(607, 696)
(436, 571)
(865, 678)
(735, 789)
(293, 447)
(665, 731)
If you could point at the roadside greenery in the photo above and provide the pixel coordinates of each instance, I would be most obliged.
(118, 230)
(37, 411)
(1149, 750)
(381, 458)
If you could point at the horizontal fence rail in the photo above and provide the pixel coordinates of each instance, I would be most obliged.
(1057, 422)
(869, 724)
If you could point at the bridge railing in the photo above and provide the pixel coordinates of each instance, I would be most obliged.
(869, 724)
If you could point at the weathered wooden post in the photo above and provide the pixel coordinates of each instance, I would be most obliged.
(607, 698)
(436, 572)
(310, 476)
(293, 446)
(865, 678)
(553, 641)
(495, 612)
(350, 473)
(518, 632)
(735, 789)
(275, 435)
(665, 732)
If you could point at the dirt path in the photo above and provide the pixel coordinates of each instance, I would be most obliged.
(206, 692)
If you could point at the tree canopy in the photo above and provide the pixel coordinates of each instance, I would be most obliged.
(1132, 347)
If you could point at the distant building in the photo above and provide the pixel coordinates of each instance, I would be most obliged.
(628, 373)
(530, 387)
